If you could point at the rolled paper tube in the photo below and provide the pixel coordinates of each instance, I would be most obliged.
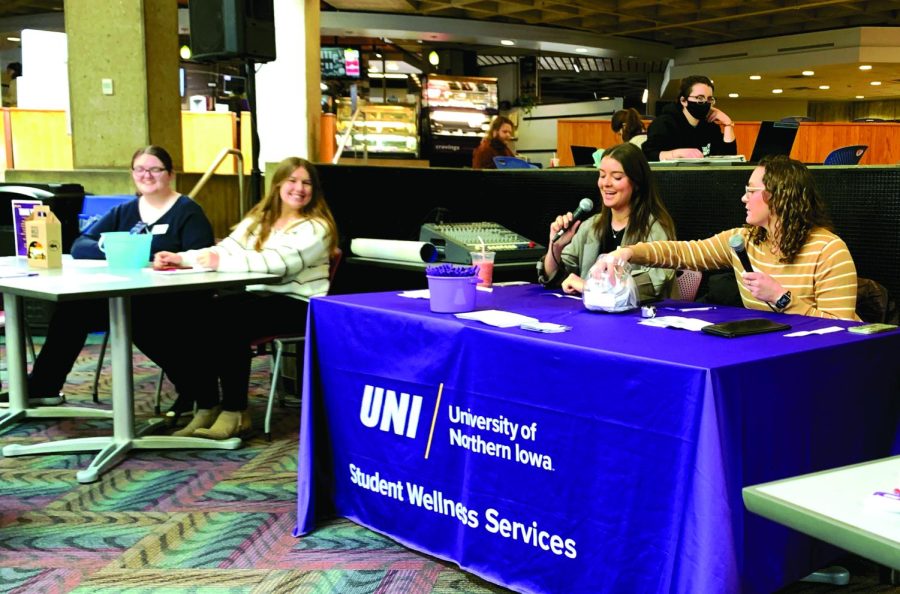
(392, 249)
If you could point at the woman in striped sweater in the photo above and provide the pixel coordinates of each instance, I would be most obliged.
(799, 265)
(291, 233)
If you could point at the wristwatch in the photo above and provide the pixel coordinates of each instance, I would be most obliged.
(783, 301)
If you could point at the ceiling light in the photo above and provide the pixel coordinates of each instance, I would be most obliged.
(377, 54)
(644, 96)
(860, 96)
(604, 98)
(397, 75)
(733, 95)
(808, 73)
(875, 83)
(581, 50)
(777, 91)
(433, 58)
(507, 42)
(323, 87)
(865, 66)
(824, 87)
(14, 39)
(185, 52)
(575, 65)
(755, 77)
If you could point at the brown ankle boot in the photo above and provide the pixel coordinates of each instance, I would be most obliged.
(229, 424)
(203, 419)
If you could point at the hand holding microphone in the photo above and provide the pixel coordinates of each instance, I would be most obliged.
(581, 213)
(761, 285)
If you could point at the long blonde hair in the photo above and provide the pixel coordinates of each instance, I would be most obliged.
(267, 211)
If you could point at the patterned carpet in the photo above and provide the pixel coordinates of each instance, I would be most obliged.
(185, 521)
(202, 521)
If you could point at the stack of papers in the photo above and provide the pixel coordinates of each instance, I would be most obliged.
(692, 324)
(498, 318)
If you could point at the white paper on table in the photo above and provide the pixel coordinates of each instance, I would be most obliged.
(827, 330)
(511, 283)
(498, 318)
(416, 294)
(692, 324)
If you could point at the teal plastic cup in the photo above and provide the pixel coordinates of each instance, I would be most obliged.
(124, 250)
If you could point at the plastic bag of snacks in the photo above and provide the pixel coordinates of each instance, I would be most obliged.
(610, 293)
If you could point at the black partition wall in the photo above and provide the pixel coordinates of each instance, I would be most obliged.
(392, 203)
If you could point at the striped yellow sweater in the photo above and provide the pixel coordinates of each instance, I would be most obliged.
(821, 279)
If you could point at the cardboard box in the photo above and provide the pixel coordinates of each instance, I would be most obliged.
(43, 239)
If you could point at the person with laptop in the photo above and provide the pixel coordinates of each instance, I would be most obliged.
(799, 266)
(693, 128)
(494, 144)
(631, 210)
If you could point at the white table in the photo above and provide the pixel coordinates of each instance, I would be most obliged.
(90, 279)
(837, 506)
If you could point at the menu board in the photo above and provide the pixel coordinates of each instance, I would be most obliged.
(340, 62)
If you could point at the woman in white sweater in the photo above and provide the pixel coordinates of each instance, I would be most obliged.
(292, 233)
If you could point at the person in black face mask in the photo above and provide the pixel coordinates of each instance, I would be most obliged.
(693, 128)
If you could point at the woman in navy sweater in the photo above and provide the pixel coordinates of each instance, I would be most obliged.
(176, 223)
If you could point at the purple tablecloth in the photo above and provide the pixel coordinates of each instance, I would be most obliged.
(609, 458)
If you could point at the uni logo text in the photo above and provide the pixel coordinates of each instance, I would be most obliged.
(384, 409)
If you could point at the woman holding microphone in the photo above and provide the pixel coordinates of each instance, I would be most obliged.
(798, 264)
(631, 211)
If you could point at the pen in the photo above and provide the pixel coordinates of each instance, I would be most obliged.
(688, 308)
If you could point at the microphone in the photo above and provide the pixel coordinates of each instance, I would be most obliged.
(581, 213)
(737, 244)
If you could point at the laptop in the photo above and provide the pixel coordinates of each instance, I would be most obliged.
(774, 138)
(582, 155)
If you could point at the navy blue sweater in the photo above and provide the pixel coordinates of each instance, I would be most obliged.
(184, 227)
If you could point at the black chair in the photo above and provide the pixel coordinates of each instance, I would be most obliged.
(796, 119)
(513, 163)
(846, 155)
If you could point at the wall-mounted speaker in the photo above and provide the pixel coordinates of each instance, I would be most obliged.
(232, 29)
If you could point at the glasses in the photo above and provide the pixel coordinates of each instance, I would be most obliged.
(702, 99)
(154, 171)
(751, 189)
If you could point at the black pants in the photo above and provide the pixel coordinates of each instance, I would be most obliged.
(240, 319)
(157, 327)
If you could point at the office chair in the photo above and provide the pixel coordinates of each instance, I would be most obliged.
(513, 163)
(846, 155)
(688, 282)
(796, 119)
(277, 344)
(100, 356)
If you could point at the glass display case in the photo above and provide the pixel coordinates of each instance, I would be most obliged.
(379, 129)
(457, 112)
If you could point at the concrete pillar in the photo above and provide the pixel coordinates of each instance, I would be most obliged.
(288, 93)
(654, 88)
(133, 44)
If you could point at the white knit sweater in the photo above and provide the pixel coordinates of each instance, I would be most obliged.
(298, 253)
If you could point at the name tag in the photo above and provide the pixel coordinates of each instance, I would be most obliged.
(159, 229)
